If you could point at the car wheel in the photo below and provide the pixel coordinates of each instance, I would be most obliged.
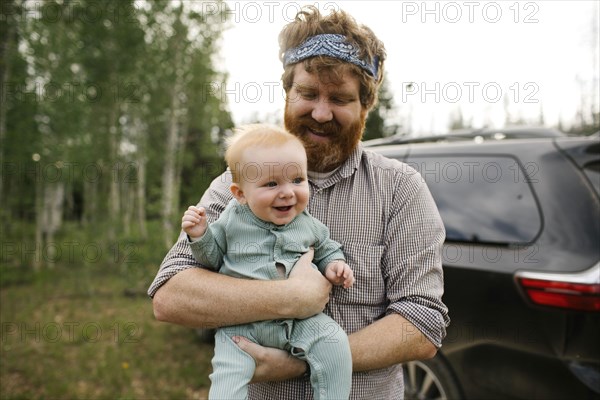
(429, 379)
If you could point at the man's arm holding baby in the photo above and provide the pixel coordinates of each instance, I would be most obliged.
(199, 298)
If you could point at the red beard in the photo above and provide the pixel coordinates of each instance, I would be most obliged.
(325, 156)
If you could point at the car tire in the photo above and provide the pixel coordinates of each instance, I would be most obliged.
(430, 379)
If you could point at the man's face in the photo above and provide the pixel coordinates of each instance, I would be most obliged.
(328, 117)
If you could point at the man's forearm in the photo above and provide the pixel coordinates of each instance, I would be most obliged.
(204, 299)
(388, 341)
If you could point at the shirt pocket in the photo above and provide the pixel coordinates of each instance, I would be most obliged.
(369, 285)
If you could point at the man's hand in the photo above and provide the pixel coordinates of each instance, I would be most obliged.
(199, 298)
(271, 364)
(308, 288)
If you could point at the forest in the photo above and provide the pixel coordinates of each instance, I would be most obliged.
(106, 110)
(107, 126)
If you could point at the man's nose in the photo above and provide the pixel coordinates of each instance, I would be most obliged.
(322, 111)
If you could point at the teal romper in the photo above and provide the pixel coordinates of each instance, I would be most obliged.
(240, 244)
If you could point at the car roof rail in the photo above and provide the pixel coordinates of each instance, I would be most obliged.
(481, 134)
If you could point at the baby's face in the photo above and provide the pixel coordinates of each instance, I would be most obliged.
(274, 182)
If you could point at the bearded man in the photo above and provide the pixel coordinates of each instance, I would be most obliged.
(379, 209)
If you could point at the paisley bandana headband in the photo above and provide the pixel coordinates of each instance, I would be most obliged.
(330, 45)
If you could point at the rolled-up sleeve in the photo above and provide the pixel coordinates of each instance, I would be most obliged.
(412, 263)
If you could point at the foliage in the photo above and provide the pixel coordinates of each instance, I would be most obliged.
(91, 91)
(378, 121)
(92, 94)
(587, 127)
(457, 121)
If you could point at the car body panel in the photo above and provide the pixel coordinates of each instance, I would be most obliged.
(499, 344)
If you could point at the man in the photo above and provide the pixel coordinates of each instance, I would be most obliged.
(379, 209)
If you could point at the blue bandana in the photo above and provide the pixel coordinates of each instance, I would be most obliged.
(330, 45)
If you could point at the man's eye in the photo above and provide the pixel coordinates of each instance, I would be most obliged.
(308, 95)
(338, 100)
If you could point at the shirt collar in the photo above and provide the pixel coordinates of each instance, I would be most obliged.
(345, 170)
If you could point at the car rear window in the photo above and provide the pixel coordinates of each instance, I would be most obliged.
(482, 199)
(592, 171)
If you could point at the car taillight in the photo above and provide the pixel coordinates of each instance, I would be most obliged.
(579, 291)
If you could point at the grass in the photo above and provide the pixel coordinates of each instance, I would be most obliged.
(86, 331)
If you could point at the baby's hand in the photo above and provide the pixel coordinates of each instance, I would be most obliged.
(194, 222)
(339, 273)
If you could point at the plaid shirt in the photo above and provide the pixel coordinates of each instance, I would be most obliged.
(382, 213)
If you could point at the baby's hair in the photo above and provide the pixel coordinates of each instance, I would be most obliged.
(254, 135)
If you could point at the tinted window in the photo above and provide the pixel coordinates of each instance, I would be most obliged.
(483, 199)
(592, 170)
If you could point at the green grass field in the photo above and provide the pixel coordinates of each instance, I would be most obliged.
(86, 331)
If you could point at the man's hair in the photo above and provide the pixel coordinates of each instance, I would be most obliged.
(309, 22)
(254, 135)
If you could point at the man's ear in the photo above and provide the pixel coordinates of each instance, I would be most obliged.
(238, 193)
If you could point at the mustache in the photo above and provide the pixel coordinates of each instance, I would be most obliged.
(329, 127)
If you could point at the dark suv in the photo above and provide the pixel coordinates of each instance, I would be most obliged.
(521, 263)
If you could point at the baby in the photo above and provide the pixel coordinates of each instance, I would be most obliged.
(261, 234)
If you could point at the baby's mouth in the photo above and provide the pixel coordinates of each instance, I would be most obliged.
(285, 208)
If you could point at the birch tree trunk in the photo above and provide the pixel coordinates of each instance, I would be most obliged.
(39, 234)
(90, 198)
(115, 179)
(128, 193)
(50, 222)
(141, 196)
(169, 171)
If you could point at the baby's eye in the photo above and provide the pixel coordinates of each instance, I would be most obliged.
(271, 184)
(298, 180)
